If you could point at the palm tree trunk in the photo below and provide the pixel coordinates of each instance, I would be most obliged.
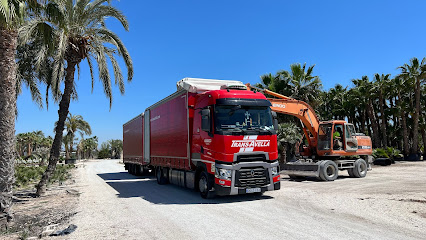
(63, 113)
(372, 116)
(383, 124)
(416, 118)
(8, 44)
(404, 127)
(424, 143)
(363, 122)
(405, 134)
(71, 144)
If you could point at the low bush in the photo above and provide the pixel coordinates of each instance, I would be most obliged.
(28, 175)
(388, 152)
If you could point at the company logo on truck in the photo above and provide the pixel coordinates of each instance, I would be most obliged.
(250, 142)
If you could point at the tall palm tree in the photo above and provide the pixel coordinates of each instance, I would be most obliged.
(77, 32)
(380, 82)
(364, 88)
(75, 124)
(416, 72)
(338, 98)
(12, 13)
(400, 87)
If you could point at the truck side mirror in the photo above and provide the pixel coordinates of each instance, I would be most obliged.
(205, 120)
(274, 117)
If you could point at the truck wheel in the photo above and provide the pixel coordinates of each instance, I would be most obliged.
(328, 171)
(131, 169)
(205, 185)
(360, 168)
(139, 170)
(160, 176)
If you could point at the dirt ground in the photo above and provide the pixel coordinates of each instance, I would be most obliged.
(32, 215)
(390, 203)
(390, 196)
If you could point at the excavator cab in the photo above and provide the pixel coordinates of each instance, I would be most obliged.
(336, 137)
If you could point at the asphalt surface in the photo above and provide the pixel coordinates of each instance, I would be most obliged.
(117, 205)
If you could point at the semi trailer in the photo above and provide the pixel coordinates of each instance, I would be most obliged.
(214, 136)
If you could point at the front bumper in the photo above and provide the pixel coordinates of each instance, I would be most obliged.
(235, 190)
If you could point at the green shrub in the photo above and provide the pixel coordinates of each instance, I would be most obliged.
(380, 153)
(388, 152)
(30, 175)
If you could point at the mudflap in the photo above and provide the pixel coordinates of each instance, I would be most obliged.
(301, 169)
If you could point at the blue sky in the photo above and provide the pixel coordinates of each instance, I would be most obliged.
(240, 40)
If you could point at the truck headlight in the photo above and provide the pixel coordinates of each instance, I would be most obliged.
(223, 173)
(274, 171)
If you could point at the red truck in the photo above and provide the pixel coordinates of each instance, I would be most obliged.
(214, 136)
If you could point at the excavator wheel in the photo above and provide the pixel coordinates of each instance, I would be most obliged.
(360, 168)
(328, 171)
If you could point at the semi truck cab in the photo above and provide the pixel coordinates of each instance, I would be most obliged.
(235, 137)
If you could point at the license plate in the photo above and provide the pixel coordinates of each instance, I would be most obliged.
(252, 190)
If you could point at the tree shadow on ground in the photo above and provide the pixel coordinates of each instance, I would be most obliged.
(146, 187)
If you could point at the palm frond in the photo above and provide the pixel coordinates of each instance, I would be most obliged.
(117, 71)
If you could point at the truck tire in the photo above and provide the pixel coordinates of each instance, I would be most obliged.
(139, 170)
(159, 174)
(328, 171)
(131, 169)
(205, 185)
(360, 168)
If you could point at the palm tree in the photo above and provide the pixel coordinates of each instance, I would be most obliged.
(11, 16)
(363, 87)
(288, 135)
(400, 86)
(77, 32)
(380, 82)
(116, 146)
(304, 85)
(87, 147)
(276, 83)
(338, 98)
(416, 72)
(75, 124)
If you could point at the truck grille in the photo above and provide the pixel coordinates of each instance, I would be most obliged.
(251, 157)
(251, 177)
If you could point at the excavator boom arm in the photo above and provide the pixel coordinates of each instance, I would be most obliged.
(299, 109)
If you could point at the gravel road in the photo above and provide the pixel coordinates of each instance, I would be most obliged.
(390, 203)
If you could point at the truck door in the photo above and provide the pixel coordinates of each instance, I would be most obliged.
(351, 141)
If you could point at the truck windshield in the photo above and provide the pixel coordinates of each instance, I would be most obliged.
(228, 118)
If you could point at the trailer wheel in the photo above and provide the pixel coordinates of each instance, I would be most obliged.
(205, 185)
(160, 176)
(360, 168)
(131, 169)
(139, 170)
(328, 171)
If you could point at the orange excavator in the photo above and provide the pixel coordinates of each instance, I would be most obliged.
(333, 146)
